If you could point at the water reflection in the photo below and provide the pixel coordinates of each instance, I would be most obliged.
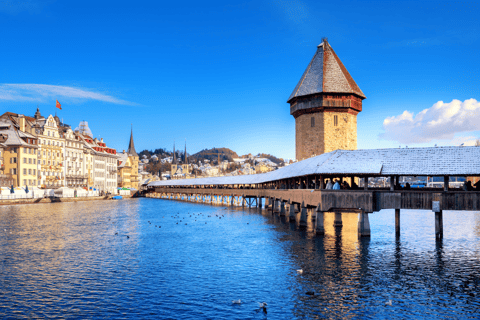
(189, 261)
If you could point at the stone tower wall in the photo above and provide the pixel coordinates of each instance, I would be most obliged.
(344, 135)
(309, 140)
(324, 136)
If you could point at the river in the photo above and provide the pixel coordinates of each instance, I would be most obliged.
(163, 259)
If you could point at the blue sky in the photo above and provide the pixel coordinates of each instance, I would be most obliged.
(219, 73)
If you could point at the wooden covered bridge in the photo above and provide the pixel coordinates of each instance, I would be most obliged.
(300, 188)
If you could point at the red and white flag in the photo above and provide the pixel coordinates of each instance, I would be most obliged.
(58, 105)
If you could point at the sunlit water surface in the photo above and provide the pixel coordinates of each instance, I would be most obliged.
(162, 259)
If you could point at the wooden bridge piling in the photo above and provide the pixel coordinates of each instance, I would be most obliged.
(397, 222)
(319, 221)
(303, 216)
(363, 224)
(338, 219)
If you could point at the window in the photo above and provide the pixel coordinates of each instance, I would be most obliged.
(34, 160)
(29, 182)
(335, 121)
(33, 171)
(30, 160)
(24, 160)
(25, 150)
(29, 171)
(13, 160)
(24, 171)
(30, 151)
(43, 162)
(24, 182)
(49, 134)
(312, 122)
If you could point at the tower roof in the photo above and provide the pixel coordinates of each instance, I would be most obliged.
(325, 73)
(131, 146)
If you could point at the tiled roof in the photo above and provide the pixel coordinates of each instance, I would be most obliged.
(438, 161)
(325, 73)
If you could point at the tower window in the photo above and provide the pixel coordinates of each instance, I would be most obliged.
(312, 122)
(335, 121)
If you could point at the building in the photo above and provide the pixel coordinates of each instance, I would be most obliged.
(52, 152)
(76, 164)
(178, 168)
(19, 152)
(128, 167)
(325, 104)
(100, 161)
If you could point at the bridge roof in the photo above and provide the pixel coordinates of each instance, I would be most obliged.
(437, 161)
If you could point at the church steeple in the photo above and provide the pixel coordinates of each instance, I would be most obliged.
(185, 154)
(131, 147)
(174, 156)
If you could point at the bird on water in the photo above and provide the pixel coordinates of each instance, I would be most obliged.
(262, 306)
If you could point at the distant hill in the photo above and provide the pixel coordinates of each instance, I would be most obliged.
(271, 158)
(225, 154)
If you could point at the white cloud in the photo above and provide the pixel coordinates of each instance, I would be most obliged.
(466, 141)
(42, 92)
(440, 122)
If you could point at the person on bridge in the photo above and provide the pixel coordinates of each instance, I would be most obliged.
(329, 185)
(336, 186)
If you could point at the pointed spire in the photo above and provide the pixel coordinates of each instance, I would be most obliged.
(131, 147)
(325, 74)
(185, 154)
(174, 157)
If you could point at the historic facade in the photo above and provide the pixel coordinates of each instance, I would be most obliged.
(179, 169)
(128, 176)
(47, 153)
(325, 104)
(19, 152)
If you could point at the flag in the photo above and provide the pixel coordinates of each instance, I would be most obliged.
(59, 106)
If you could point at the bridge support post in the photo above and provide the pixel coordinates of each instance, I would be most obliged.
(259, 199)
(292, 215)
(243, 201)
(303, 216)
(397, 222)
(363, 224)
(338, 219)
(231, 201)
(276, 204)
(439, 224)
(312, 213)
(282, 208)
(319, 222)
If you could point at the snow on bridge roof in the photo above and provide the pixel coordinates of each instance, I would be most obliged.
(437, 161)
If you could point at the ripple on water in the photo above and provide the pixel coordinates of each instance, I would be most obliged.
(65, 260)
